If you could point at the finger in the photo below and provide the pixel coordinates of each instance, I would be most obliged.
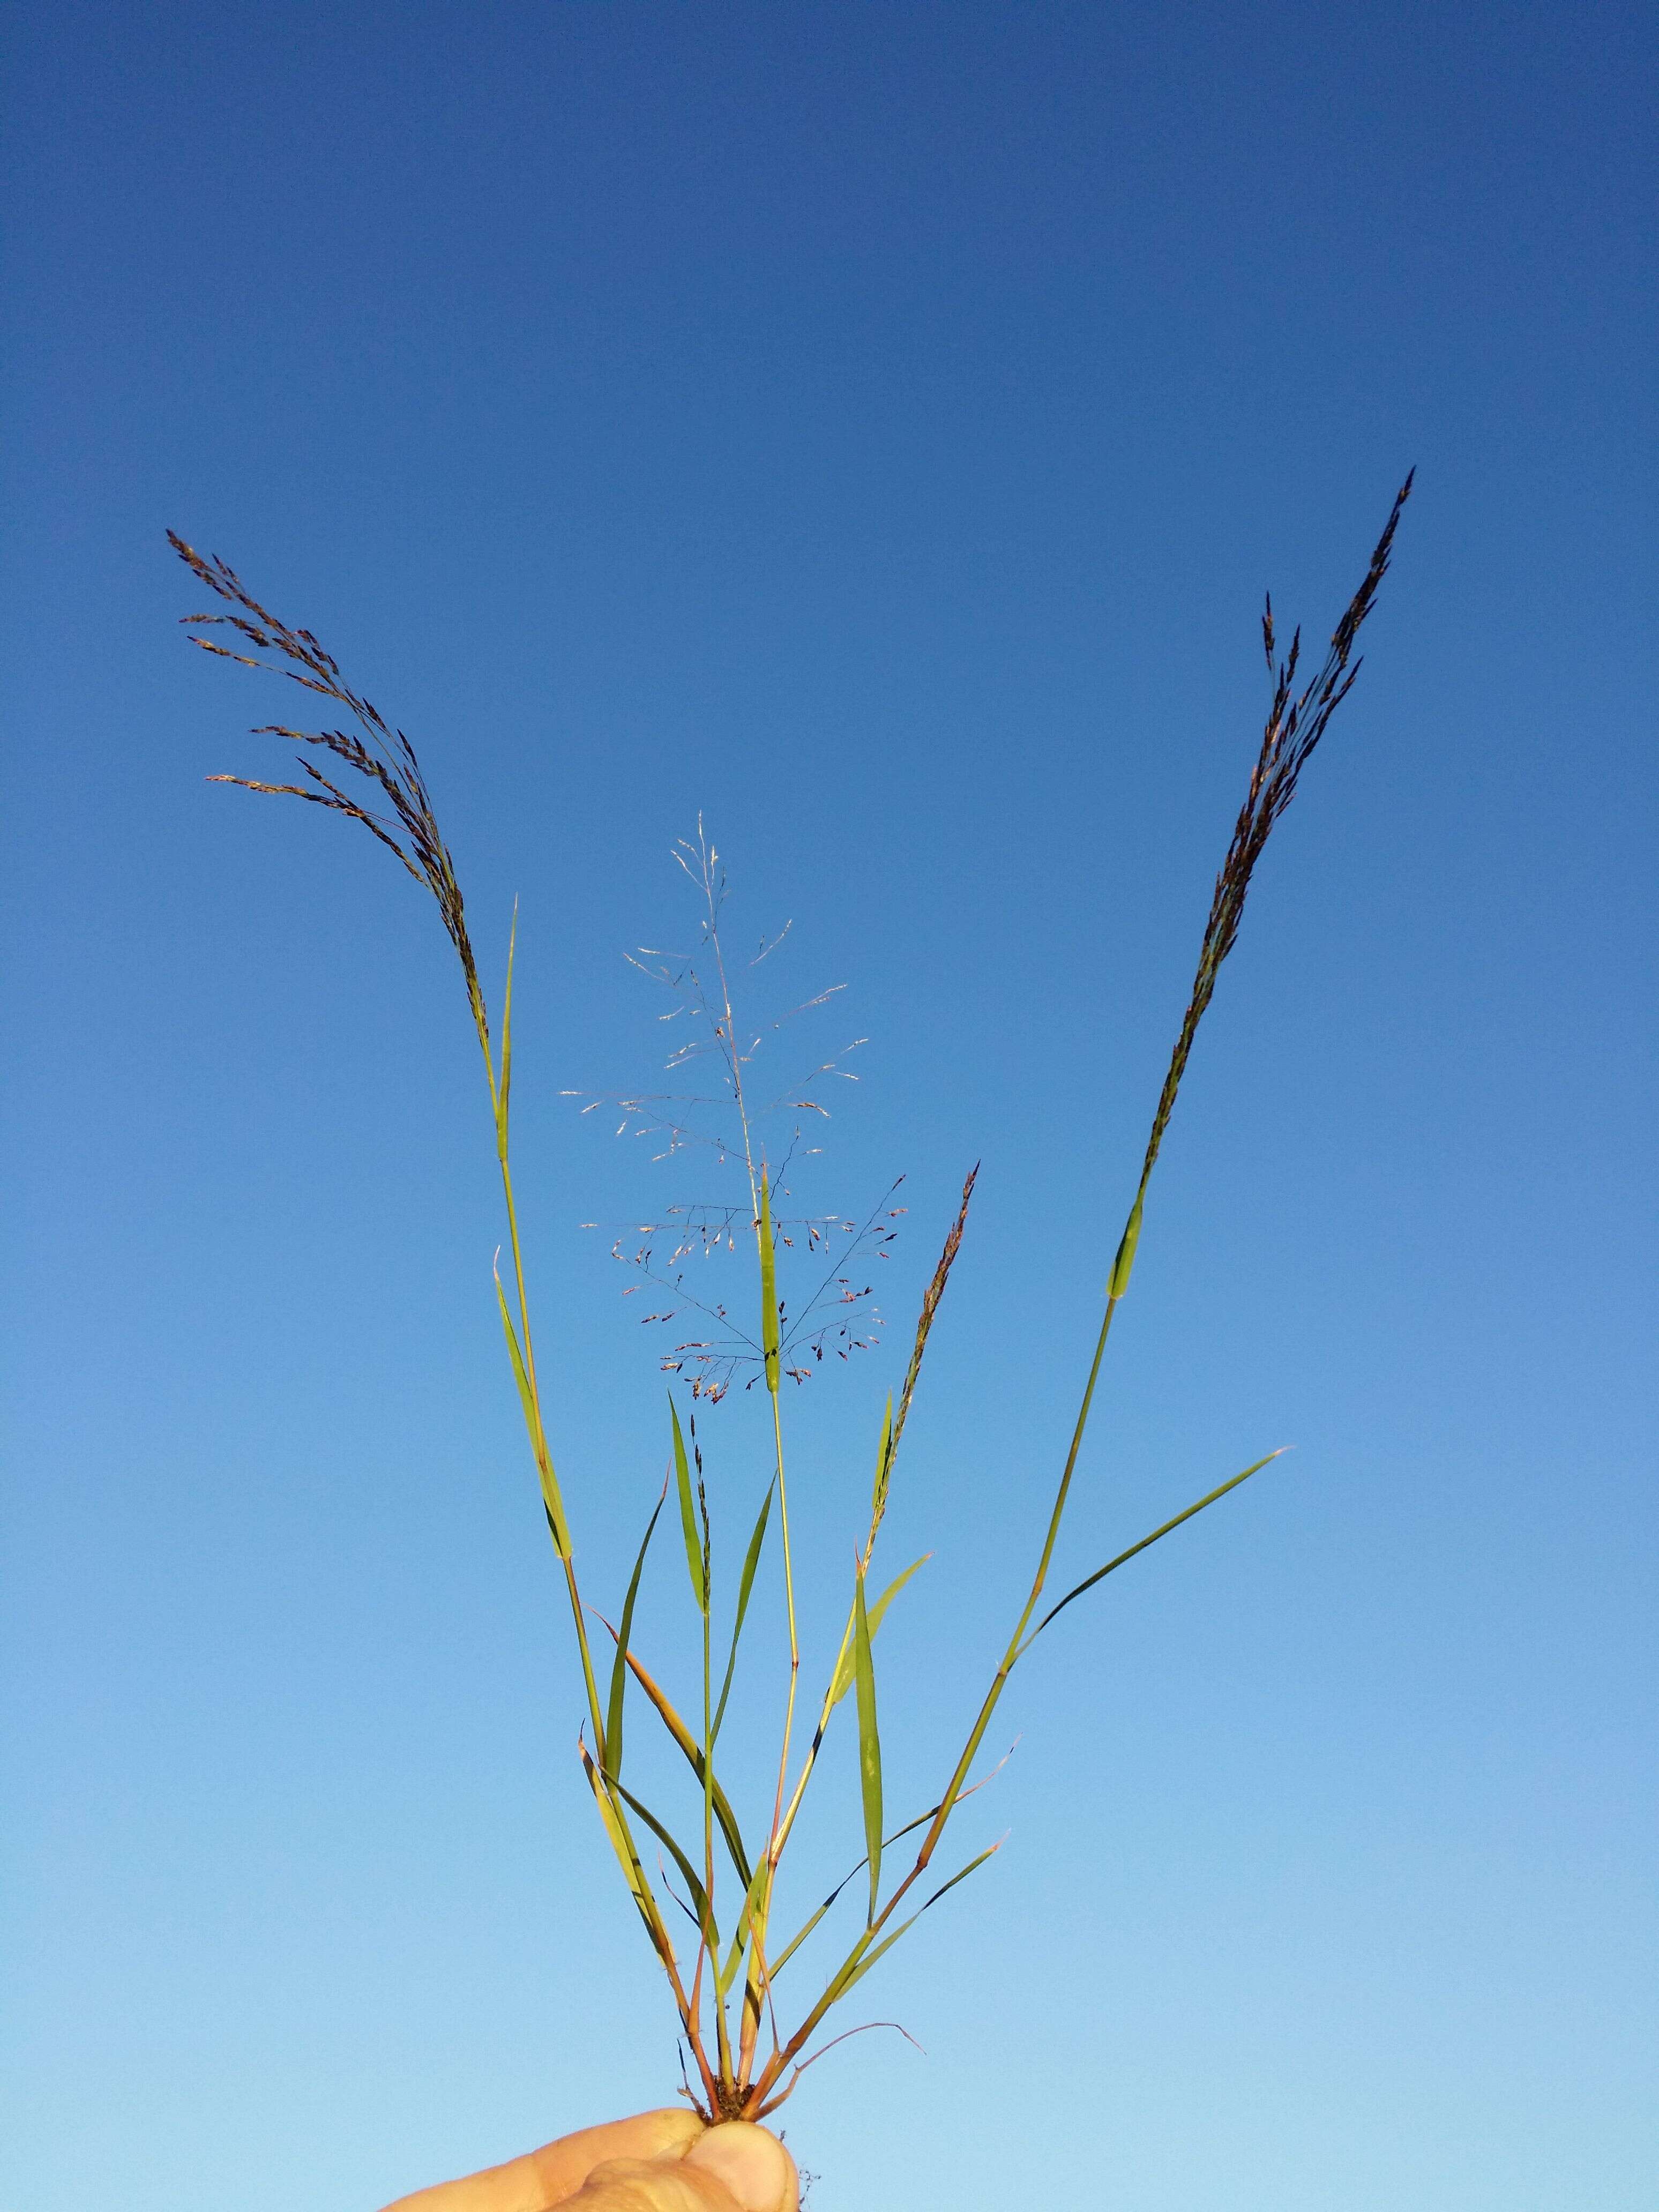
(549, 2176)
(562, 2167)
(758, 2173)
(648, 2185)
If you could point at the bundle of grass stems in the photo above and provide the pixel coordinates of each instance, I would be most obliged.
(739, 2057)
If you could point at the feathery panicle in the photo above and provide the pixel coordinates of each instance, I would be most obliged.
(1297, 720)
(1296, 723)
(930, 1305)
(383, 756)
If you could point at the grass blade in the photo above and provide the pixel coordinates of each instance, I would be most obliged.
(864, 1669)
(613, 1722)
(972, 1867)
(859, 1965)
(845, 1669)
(800, 1936)
(1112, 1566)
(1123, 1264)
(751, 1563)
(694, 1545)
(904, 1926)
(727, 1974)
(693, 1755)
(688, 1873)
(628, 1858)
(551, 1501)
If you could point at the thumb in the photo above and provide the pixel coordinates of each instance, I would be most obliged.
(758, 2173)
(734, 2167)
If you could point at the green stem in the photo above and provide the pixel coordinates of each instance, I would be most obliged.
(775, 2068)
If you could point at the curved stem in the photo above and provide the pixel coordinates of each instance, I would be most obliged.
(772, 2072)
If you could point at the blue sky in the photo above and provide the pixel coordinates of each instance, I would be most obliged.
(872, 426)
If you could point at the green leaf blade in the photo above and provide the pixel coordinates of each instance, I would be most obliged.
(1123, 1264)
(864, 1669)
(688, 1874)
(691, 1752)
(751, 1561)
(554, 1502)
(694, 1546)
(1135, 1550)
(844, 1671)
(861, 1961)
(758, 1884)
(613, 1721)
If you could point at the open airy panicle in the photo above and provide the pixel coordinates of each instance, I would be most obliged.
(719, 1865)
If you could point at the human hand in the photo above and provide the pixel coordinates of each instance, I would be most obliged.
(664, 2161)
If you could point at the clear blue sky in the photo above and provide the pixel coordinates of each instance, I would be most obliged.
(873, 425)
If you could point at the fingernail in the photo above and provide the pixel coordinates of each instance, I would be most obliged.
(751, 2163)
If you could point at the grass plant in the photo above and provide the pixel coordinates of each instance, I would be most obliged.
(743, 2048)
